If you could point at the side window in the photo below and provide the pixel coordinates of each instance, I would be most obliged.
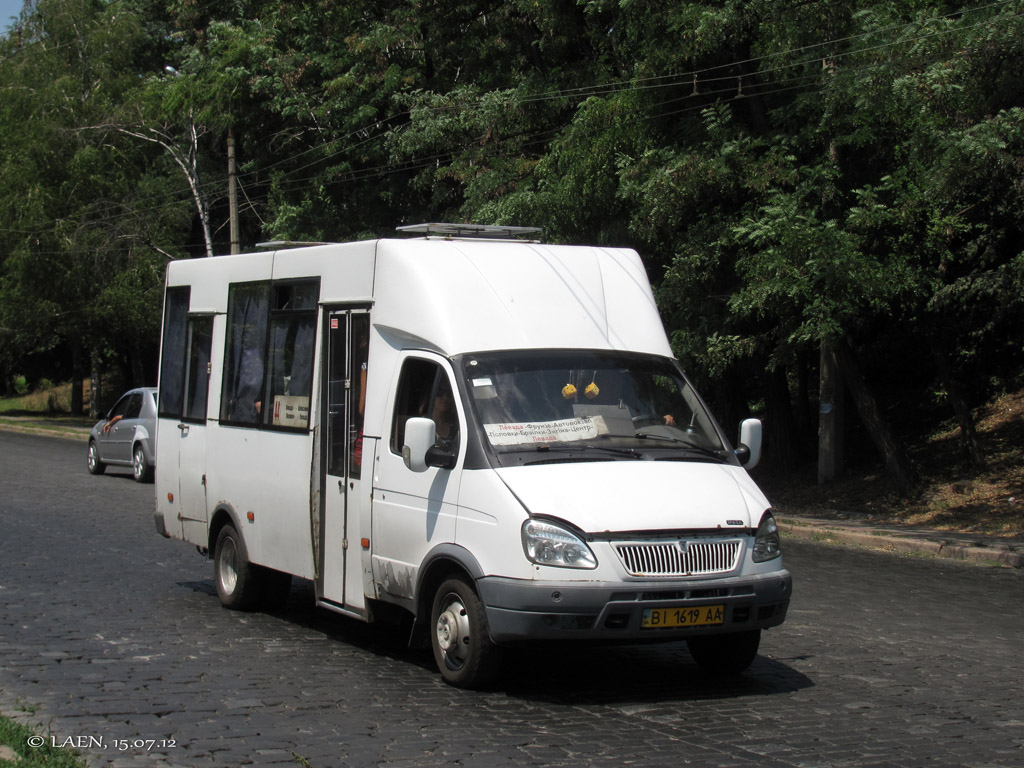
(200, 333)
(172, 360)
(289, 380)
(425, 390)
(245, 353)
(134, 408)
(268, 354)
(120, 407)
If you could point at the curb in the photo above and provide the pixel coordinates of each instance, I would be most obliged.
(980, 550)
(9, 424)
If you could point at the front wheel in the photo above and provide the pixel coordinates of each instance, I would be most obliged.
(239, 585)
(463, 649)
(96, 467)
(141, 471)
(725, 654)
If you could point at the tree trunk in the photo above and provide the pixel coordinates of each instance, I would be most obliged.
(831, 437)
(781, 428)
(95, 397)
(968, 433)
(138, 370)
(897, 463)
(77, 382)
(804, 410)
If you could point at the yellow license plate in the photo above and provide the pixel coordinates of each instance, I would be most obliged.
(696, 616)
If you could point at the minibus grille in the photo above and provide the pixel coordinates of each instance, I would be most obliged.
(680, 558)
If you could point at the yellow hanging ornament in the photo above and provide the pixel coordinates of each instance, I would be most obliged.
(592, 391)
(568, 391)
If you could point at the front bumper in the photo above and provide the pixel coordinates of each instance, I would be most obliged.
(557, 610)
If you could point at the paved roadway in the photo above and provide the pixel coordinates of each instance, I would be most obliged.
(111, 633)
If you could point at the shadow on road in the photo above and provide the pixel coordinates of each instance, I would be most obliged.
(568, 674)
(637, 674)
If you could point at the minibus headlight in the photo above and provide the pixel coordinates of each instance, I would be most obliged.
(766, 540)
(549, 544)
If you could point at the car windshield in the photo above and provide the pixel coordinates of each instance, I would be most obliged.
(616, 404)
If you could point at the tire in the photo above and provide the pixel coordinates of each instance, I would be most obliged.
(141, 471)
(96, 467)
(725, 654)
(239, 583)
(463, 649)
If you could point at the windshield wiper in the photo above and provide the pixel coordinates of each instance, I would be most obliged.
(719, 454)
(632, 453)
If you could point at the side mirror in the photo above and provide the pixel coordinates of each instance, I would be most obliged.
(419, 438)
(749, 450)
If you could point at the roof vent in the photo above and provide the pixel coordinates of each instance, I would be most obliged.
(487, 231)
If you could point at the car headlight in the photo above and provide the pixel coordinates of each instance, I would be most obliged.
(766, 540)
(550, 544)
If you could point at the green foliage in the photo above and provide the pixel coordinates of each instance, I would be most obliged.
(793, 173)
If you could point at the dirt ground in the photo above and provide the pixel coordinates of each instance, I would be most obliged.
(954, 495)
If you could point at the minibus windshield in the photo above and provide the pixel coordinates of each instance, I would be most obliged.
(606, 403)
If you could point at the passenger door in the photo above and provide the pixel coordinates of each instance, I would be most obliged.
(346, 495)
(181, 423)
(116, 442)
(192, 432)
(415, 511)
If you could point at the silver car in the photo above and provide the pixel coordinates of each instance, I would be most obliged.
(127, 436)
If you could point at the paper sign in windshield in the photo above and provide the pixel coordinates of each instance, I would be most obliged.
(562, 431)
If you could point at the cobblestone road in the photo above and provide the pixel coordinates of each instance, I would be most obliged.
(111, 633)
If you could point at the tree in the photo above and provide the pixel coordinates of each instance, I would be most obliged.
(73, 220)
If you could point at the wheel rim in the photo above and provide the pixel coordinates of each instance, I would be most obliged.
(452, 630)
(227, 571)
(139, 465)
(92, 456)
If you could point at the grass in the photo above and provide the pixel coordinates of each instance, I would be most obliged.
(51, 401)
(44, 411)
(17, 737)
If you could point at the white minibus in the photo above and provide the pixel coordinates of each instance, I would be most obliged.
(485, 434)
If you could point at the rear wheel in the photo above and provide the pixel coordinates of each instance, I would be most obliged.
(239, 585)
(96, 467)
(141, 470)
(463, 649)
(725, 654)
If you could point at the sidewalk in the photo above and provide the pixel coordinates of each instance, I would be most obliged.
(905, 539)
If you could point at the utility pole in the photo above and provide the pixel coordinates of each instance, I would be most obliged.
(232, 195)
